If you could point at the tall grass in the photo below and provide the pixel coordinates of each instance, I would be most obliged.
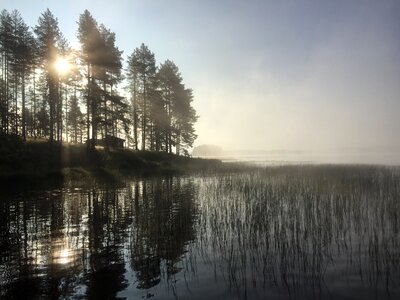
(290, 231)
(295, 227)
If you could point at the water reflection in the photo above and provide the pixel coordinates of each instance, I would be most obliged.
(321, 233)
(65, 242)
(289, 232)
(165, 215)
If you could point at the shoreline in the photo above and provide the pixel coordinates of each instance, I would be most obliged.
(39, 160)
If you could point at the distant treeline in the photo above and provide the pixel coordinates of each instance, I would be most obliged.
(49, 90)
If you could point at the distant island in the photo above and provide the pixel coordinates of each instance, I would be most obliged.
(207, 150)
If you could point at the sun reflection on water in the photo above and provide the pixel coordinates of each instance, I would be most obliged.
(63, 257)
(62, 252)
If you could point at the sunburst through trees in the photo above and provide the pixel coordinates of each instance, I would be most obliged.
(50, 91)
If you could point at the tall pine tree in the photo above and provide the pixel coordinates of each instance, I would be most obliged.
(49, 39)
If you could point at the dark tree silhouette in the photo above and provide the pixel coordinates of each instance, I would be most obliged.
(49, 39)
(103, 71)
(142, 72)
(17, 49)
(37, 99)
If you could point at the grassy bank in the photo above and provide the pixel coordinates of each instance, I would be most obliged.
(40, 159)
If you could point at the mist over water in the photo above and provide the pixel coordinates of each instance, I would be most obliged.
(373, 157)
(310, 75)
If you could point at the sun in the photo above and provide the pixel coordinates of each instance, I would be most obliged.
(62, 66)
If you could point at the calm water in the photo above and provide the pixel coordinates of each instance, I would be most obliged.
(293, 232)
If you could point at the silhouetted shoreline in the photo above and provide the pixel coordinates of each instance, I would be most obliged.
(42, 160)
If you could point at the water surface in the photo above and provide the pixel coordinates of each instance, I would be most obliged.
(293, 232)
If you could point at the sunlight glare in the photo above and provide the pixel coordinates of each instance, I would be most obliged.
(63, 257)
(62, 66)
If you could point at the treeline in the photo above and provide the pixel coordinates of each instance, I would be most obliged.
(49, 90)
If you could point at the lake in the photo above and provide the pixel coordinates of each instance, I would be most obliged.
(285, 232)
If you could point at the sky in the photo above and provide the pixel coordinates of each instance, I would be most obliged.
(293, 75)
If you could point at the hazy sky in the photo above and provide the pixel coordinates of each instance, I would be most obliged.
(266, 74)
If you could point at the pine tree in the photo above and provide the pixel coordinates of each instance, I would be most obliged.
(49, 39)
(75, 118)
(132, 76)
(6, 43)
(160, 109)
(170, 82)
(24, 59)
(142, 67)
(111, 65)
(184, 117)
(17, 61)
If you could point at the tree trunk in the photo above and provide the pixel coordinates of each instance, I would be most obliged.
(59, 111)
(23, 107)
(135, 120)
(76, 121)
(88, 108)
(16, 103)
(105, 110)
(94, 118)
(144, 121)
(51, 105)
(66, 115)
(7, 106)
(34, 106)
(178, 142)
